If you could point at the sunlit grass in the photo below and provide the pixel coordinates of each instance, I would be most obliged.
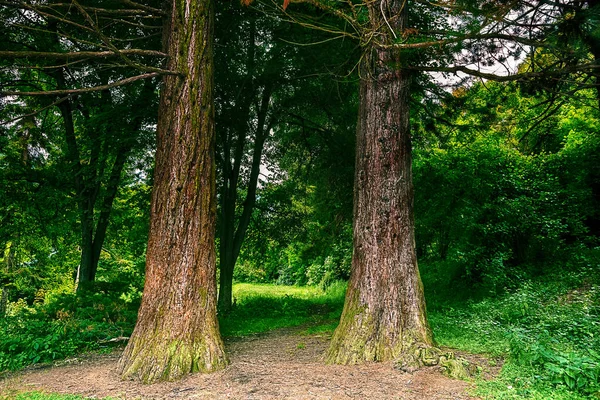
(264, 307)
(243, 291)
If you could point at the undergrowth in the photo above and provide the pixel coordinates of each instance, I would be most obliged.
(63, 324)
(546, 331)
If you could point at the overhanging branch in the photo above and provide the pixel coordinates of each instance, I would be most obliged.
(82, 90)
(506, 78)
(78, 55)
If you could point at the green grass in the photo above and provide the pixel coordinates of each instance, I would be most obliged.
(263, 307)
(548, 333)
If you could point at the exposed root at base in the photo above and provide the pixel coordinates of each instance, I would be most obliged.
(419, 356)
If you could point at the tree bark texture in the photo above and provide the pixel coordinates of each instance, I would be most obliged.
(177, 330)
(384, 312)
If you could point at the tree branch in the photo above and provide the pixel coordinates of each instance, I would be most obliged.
(505, 78)
(78, 55)
(109, 44)
(84, 90)
(458, 39)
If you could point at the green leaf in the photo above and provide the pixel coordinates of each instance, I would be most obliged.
(570, 382)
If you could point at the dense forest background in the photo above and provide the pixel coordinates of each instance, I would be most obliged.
(507, 200)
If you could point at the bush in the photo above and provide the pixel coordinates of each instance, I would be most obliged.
(62, 324)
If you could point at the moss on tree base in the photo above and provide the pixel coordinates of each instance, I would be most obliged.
(364, 335)
(154, 361)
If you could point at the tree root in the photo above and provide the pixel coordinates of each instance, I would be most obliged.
(419, 356)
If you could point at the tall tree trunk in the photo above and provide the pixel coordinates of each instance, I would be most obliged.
(177, 330)
(384, 312)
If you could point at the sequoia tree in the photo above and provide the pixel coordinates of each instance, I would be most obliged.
(177, 330)
(384, 314)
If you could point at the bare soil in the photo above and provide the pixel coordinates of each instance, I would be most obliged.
(278, 365)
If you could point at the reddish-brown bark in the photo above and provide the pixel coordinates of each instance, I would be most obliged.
(177, 329)
(384, 313)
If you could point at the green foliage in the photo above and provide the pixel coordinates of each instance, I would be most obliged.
(503, 194)
(547, 330)
(63, 324)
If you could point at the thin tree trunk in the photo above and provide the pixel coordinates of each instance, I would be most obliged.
(177, 330)
(3, 301)
(85, 212)
(112, 186)
(8, 266)
(232, 238)
(231, 177)
(384, 312)
(87, 252)
(594, 46)
(593, 221)
(4, 290)
(85, 204)
(104, 217)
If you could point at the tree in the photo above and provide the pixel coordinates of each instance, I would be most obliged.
(256, 107)
(244, 117)
(177, 330)
(384, 314)
(109, 145)
(101, 128)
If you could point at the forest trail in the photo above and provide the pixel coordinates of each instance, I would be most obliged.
(282, 364)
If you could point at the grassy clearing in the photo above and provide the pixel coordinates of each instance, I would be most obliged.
(546, 331)
(264, 307)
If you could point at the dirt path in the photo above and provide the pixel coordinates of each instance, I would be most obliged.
(278, 365)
